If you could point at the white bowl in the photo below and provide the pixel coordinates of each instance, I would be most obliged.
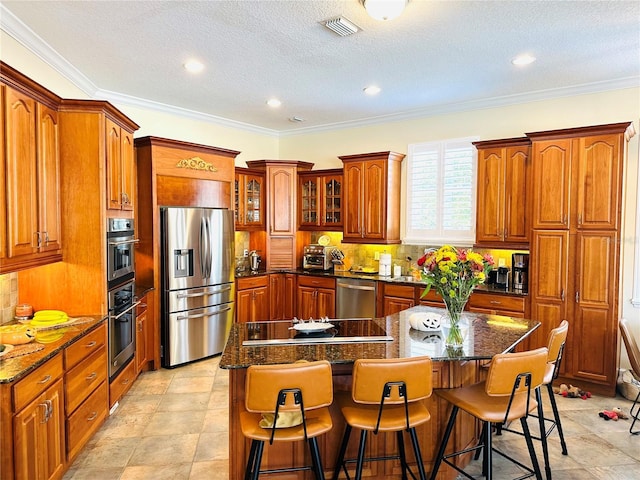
(425, 321)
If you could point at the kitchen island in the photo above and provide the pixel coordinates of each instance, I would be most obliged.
(386, 337)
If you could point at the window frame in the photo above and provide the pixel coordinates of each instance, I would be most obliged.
(426, 237)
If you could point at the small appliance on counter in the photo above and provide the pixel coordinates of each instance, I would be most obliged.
(520, 265)
(502, 278)
(317, 257)
(254, 261)
(385, 265)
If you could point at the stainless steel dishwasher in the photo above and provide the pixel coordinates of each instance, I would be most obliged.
(355, 298)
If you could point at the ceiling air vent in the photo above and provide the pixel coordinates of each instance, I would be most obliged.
(341, 26)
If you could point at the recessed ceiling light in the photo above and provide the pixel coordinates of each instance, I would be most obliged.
(371, 90)
(193, 66)
(274, 102)
(524, 59)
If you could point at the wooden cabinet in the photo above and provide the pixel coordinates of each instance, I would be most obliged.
(431, 299)
(279, 244)
(142, 327)
(30, 227)
(86, 389)
(252, 299)
(282, 296)
(316, 297)
(372, 197)
(249, 199)
(122, 383)
(38, 424)
(497, 304)
(396, 298)
(575, 256)
(320, 200)
(120, 167)
(502, 192)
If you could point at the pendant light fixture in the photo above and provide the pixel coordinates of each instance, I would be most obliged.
(384, 9)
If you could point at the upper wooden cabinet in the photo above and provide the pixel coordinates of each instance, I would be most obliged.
(279, 247)
(249, 199)
(320, 200)
(502, 190)
(120, 167)
(577, 177)
(372, 197)
(30, 229)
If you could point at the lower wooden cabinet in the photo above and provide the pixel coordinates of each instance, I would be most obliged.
(282, 296)
(85, 421)
(497, 304)
(39, 436)
(122, 383)
(396, 298)
(316, 297)
(142, 333)
(252, 299)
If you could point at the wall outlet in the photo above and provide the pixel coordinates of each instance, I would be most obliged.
(245, 252)
(376, 255)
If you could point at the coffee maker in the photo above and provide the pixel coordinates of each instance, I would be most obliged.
(520, 266)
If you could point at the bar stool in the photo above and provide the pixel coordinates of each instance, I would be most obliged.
(633, 352)
(386, 396)
(298, 390)
(505, 396)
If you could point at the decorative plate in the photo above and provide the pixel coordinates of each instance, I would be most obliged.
(310, 327)
(324, 240)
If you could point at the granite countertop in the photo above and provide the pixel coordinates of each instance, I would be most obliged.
(403, 280)
(487, 336)
(52, 340)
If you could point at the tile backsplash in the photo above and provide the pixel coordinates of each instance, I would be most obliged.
(9, 296)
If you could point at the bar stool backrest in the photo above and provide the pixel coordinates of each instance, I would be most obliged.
(506, 367)
(265, 382)
(557, 339)
(370, 377)
(633, 352)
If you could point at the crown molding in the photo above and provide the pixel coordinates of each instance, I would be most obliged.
(14, 27)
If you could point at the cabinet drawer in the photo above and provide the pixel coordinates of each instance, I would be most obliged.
(122, 383)
(36, 382)
(400, 291)
(252, 282)
(85, 346)
(87, 419)
(84, 378)
(497, 302)
(316, 282)
(142, 306)
(430, 298)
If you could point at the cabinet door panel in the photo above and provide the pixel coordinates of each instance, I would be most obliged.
(114, 163)
(22, 201)
(48, 178)
(394, 305)
(281, 207)
(491, 171)
(307, 303)
(331, 199)
(326, 300)
(515, 223)
(551, 183)
(595, 315)
(598, 185)
(309, 201)
(128, 170)
(375, 205)
(548, 277)
(353, 206)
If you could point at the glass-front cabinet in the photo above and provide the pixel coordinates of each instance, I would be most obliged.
(249, 199)
(320, 200)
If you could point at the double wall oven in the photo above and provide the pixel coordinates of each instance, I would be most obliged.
(121, 293)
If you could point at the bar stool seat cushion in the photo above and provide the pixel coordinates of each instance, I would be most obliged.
(318, 422)
(474, 400)
(393, 419)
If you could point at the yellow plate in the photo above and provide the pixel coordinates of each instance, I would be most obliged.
(324, 240)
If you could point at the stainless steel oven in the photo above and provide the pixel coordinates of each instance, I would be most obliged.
(122, 333)
(120, 251)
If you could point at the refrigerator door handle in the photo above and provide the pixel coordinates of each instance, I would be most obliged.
(201, 315)
(203, 247)
(202, 294)
(209, 249)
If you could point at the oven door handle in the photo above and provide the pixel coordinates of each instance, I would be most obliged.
(135, 304)
(124, 242)
(200, 315)
(202, 294)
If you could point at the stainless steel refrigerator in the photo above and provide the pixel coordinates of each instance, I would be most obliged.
(198, 282)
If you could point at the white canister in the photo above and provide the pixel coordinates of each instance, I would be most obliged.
(397, 271)
(385, 264)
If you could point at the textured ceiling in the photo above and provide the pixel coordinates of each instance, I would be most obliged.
(438, 56)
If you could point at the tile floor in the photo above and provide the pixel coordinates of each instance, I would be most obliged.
(173, 425)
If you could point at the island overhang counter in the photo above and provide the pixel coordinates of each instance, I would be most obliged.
(385, 337)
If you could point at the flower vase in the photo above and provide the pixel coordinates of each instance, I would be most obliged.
(453, 326)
